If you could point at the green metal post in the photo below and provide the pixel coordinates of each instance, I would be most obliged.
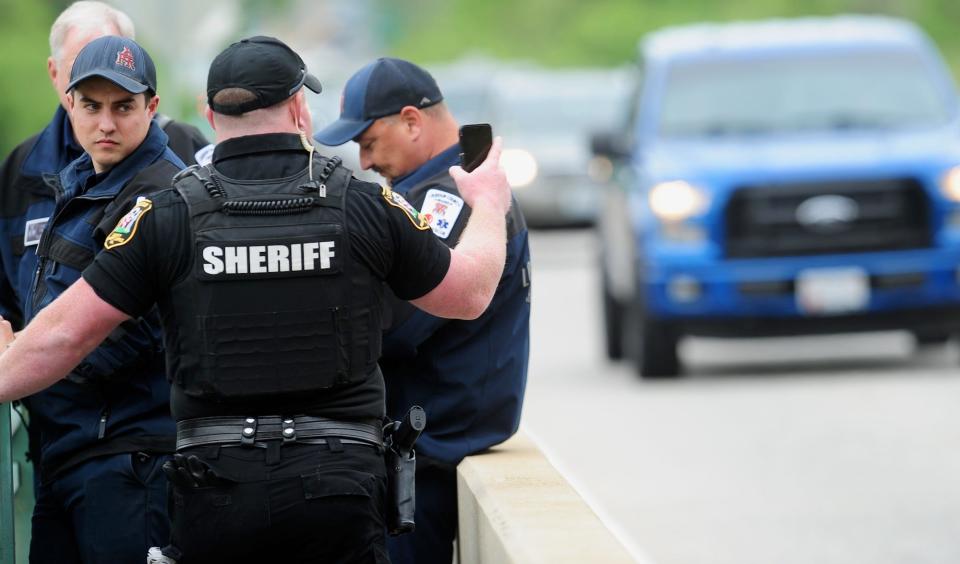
(7, 552)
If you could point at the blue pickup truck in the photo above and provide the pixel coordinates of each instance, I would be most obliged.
(779, 178)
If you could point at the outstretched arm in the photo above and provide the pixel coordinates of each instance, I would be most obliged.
(476, 263)
(53, 343)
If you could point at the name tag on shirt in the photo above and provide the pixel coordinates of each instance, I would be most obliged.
(33, 230)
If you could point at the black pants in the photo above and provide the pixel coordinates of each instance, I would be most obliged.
(296, 503)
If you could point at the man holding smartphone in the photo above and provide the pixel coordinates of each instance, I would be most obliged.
(469, 376)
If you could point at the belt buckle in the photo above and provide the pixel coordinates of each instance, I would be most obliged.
(249, 432)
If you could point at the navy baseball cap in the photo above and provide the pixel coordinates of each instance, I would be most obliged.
(382, 88)
(118, 59)
(264, 66)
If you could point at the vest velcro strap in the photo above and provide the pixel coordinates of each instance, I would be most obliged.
(241, 431)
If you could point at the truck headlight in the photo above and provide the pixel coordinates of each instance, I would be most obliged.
(950, 184)
(519, 166)
(677, 200)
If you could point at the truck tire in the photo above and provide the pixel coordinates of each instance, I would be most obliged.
(924, 338)
(612, 326)
(651, 345)
(658, 351)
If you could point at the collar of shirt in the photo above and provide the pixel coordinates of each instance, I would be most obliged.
(270, 155)
(54, 149)
(439, 163)
(78, 176)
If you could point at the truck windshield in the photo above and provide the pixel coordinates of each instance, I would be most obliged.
(786, 94)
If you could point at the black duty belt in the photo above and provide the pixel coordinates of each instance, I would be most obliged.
(248, 431)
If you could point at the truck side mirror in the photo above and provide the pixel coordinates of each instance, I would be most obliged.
(613, 146)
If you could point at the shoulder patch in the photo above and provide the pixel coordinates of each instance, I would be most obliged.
(441, 210)
(398, 201)
(127, 227)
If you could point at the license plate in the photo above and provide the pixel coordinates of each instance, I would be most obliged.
(832, 291)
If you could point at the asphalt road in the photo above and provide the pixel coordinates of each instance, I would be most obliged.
(826, 450)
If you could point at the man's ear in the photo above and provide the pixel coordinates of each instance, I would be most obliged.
(208, 113)
(300, 110)
(52, 71)
(152, 105)
(293, 107)
(412, 120)
(71, 100)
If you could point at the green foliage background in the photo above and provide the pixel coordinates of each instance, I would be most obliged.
(552, 32)
(605, 32)
(26, 98)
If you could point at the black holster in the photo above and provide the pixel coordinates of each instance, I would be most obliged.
(401, 491)
(401, 461)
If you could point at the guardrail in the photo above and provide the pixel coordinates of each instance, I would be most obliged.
(514, 507)
(8, 553)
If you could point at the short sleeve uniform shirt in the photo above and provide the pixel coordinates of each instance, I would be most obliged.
(386, 235)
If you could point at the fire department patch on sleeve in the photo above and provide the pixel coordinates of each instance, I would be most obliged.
(127, 227)
(396, 200)
(441, 210)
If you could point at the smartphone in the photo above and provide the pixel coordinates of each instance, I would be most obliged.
(475, 141)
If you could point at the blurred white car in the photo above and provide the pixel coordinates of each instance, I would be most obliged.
(546, 118)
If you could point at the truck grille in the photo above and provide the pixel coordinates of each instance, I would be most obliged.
(828, 217)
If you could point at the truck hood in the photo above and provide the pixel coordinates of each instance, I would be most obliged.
(766, 156)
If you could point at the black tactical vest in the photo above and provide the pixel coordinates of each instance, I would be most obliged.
(274, 303)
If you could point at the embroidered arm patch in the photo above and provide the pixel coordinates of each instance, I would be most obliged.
(396, 200)
(441, 210)
(127, 227)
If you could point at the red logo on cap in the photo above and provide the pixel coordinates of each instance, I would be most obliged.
(125, 58)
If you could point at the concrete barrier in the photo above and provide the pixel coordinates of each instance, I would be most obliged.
(516, 508)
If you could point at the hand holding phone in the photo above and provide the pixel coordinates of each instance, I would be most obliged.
(487, 183)
(475, 141)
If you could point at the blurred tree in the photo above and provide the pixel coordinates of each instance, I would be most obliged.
(255, 11)
(28, 100)
(605, 32)
(552, 32)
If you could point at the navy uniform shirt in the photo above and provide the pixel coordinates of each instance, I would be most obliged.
(116, 399)
(469, 376)
(74, 420)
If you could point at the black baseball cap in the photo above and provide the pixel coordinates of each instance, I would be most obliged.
(263, 65)
(118, 59)
(382, 88)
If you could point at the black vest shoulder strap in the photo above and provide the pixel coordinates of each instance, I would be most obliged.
(196, 186)
(202, 189)
(332, 180)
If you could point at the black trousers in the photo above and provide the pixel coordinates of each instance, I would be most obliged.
(295, 503)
